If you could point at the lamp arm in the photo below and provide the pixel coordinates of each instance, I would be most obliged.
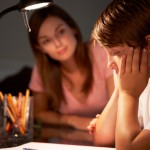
(15, 7)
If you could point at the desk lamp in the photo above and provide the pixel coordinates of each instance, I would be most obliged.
(27, 5)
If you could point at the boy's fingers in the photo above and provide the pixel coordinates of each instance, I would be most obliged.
(122, 65)
(136, 60)
(149, 62)
(97, 116)
(148, 58)
(129, 60)
(144, 61)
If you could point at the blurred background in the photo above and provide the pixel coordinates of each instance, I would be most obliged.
(15, 51)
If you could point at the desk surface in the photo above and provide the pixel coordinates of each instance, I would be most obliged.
(50, 146)
(58, 138)
(63, 135)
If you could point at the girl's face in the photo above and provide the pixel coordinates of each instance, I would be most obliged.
(57, 39)
(114, 56)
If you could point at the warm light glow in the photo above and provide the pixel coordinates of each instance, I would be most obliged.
(37, 6)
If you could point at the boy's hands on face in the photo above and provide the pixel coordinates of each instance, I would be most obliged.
(134, 72)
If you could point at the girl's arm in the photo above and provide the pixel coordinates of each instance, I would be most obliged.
(43, 113)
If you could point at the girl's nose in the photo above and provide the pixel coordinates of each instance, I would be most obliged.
(57, 42)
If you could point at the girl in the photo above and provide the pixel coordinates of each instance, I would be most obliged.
(70, 82)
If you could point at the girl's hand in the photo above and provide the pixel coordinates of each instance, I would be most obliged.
(134, 72)
(91, 127)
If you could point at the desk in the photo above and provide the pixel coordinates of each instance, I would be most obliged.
(60, 138)
(56, 135)
(63, 135)
(50, 146)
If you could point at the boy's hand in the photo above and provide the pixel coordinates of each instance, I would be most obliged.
(91, 127)
(134, 72)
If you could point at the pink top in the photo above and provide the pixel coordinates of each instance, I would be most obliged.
(98, 97)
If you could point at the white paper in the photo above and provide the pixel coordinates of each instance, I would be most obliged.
(51, 146)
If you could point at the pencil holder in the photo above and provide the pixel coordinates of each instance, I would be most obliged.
(16, 122)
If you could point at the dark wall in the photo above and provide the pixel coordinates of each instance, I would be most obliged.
(15, 50)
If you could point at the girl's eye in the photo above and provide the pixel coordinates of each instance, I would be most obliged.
(62, 31)
(46, 41)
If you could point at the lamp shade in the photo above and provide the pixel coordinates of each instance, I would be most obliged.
(25, 5)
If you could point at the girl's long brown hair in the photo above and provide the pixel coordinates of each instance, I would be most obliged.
(49, 69)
